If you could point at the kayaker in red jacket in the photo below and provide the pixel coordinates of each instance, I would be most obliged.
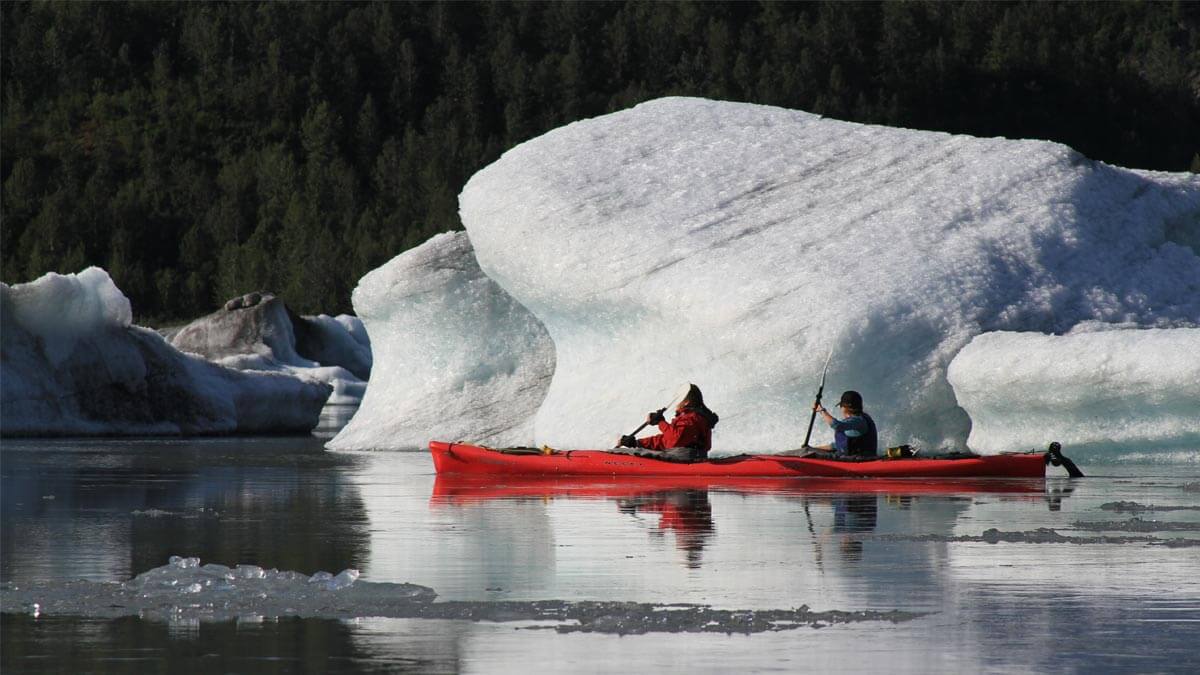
(691, 429)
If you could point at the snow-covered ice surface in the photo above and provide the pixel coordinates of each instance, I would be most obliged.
(455, 357)
(733, 245)
(1096, 390)
(74, 364)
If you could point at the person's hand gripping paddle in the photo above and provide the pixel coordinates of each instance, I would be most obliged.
(630, 440)
(817, 402)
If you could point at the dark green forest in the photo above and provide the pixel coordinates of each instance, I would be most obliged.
(202, 150)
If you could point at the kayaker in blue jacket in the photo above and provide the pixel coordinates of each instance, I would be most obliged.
(854, 435)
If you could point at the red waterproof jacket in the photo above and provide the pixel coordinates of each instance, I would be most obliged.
(689, 429)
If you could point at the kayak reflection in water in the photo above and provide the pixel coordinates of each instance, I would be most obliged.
(687, 513)
(686, 438)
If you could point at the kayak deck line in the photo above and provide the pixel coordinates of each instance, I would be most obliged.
(465, 458)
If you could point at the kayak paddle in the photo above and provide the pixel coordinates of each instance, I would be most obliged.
(645, 424)
(820, 390)
(678, 397)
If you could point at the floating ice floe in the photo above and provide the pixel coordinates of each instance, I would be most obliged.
(183, 588)
(185, 592)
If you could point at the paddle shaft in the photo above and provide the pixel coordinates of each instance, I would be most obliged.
(813, 418)
(681, 395)
(646, 423)
(820, 390)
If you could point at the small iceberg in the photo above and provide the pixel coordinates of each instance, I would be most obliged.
(73, 363)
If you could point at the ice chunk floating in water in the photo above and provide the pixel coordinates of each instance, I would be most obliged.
(1132, 389)
(733, 245)
(454, 355)
(72, 362)
(183, 590)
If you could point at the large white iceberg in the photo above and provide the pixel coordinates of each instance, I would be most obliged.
(734, 245)
(1131, 389)
(72, 363)
(455, 357)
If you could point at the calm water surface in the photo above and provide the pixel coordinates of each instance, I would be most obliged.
(1002, 594)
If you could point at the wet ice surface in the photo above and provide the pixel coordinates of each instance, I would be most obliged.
(916, 576)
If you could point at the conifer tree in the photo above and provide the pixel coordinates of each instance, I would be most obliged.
(204, 150)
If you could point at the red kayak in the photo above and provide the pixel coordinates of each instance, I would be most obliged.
(460, 458)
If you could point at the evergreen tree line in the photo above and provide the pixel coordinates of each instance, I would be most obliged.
(202, 150)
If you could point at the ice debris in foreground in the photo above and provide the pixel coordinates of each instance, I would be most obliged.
(184, 591)
(1136, 525)
(1134, 507)
(185, 588)
(1041, 535)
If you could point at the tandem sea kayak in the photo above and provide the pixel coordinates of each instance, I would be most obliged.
(465, 459)
(450, 488)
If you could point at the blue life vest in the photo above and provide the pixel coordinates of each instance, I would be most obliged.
(856, 436)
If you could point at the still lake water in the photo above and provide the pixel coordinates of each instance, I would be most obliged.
(1116, 590)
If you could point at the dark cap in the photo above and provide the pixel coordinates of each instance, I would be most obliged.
(852, 400)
